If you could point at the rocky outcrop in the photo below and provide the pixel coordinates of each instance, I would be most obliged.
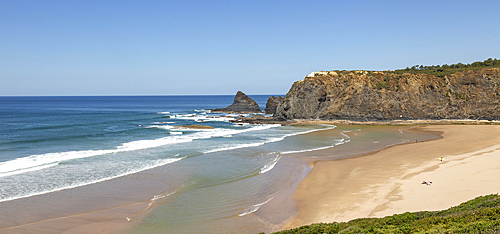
(272, 103)
(196, 126)
(241, 104)
(365, 95)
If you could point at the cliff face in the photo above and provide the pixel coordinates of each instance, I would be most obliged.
(362, 95)
(272, 103)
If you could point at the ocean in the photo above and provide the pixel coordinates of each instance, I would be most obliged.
(214, 180)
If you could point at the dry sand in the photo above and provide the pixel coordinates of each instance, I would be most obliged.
(374, 185)
(390, 181)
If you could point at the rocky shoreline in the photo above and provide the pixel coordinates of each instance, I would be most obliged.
(381, 98)
(258, 119)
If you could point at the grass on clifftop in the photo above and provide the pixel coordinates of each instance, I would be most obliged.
(480, 215)
(443, 70)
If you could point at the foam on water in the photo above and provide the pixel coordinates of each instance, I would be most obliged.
(275, 139)
(340, 142)
(157, 163)
(202, 117)
(327, 127)
(166, 127)
(256, 207)
(35, 168)
(345, 135)
(170, 122)
(100, 152)
(38, 162)
(270, 165)
(235, 147)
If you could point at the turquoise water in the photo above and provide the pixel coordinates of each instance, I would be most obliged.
(232, 178)
(53, 143)
(235, 194)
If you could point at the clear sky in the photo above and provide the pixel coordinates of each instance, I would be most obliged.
(219, 47)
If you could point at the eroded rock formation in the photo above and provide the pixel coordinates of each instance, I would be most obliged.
(197, 126)
(272, 103)
(241, 104)
(364, 95)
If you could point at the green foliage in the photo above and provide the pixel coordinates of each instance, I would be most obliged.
(480, 215)
(443, 70)
(382, 85)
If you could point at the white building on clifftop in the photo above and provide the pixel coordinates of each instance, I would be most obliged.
(321, 73)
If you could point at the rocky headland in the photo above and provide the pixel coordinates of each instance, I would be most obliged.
(389, 96)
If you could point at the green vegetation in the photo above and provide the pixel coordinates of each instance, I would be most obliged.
(480, 215)
(443, 70)
(384, 84)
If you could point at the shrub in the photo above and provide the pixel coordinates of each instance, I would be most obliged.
(480, 215)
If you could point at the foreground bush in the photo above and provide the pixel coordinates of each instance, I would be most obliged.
(480, 215)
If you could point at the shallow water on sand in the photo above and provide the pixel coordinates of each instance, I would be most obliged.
(73, 155)
(223, 193)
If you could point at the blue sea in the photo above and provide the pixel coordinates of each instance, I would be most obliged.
(217, 178)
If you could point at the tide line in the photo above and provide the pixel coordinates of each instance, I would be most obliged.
(157, 164)
(256, 207)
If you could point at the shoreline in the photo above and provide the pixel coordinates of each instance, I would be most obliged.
(388, 181)
(256, 119)
(94, 208)
(107, 215)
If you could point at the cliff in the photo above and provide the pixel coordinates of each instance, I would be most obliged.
(272, 103)
(366, 95)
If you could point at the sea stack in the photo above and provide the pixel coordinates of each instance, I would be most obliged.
(272, 103)
(241, 104)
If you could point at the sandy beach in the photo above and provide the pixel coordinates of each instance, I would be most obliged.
(95, 208)
(390, 181)
(374, 185)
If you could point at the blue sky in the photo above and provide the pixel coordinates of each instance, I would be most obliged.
(220, 47)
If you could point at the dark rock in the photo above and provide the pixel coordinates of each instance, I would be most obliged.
(272, 103)
(197, 126)
(363, 95)
(259, 119)
(241, 104)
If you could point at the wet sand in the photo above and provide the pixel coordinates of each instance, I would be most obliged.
(390, 181)
(103, 207)
(364, 186)
(92, 208)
